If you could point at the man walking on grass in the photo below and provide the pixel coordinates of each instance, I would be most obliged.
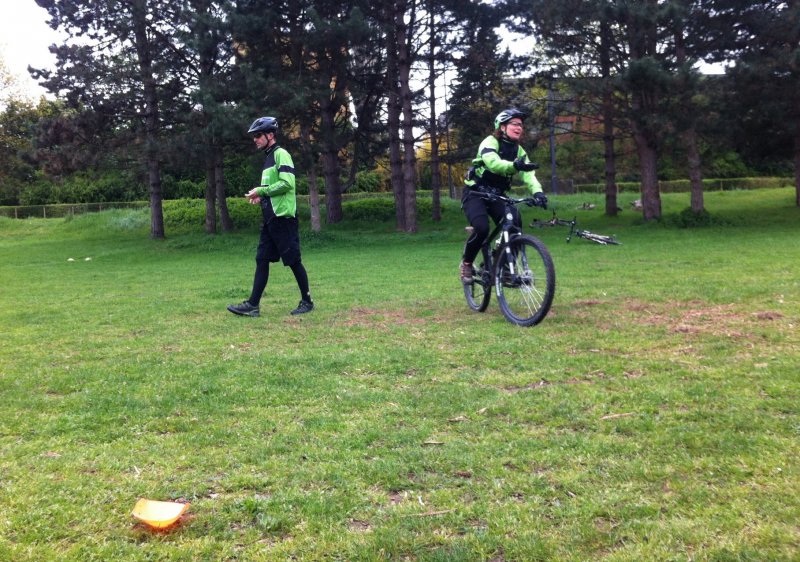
(280, 236)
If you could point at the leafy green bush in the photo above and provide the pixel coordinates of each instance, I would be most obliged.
(184, 212)
(192, 213)
(369, 210)
(182, 189)
(241, 173)
(728, 165)
(85, 187)
(379, 209)
(684, 186)
(301, 184)
(369, 181)
(37, 193)
(691, 219)
(243, 214)
(364, 207)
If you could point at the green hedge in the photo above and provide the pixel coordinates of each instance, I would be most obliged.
(66, 209)
(191, 211)
(684, 186)
(360, 207)
(379, 209)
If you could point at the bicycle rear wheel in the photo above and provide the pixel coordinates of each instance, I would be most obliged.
(525, 279)
(479, 291)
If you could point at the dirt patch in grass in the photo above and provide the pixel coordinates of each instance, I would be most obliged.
(697, 317)
(362, 317)
(588, 378)
(359, 525)
(397, 497)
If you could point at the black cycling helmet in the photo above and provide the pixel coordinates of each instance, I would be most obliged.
(264, 125)
(507, 115)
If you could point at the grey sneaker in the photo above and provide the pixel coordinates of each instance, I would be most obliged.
(303, 307)
(244, 309)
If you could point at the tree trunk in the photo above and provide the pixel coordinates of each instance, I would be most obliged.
(436, 178)
(393, 116)
(690, 135)
(648, 160)
(695, 174)
(409, 146)
(211, 197)
(797, 153)
(330, 160)
(219, 187)
(313, 199)
(642, 38)
(609, 155)
(151, 117)
(313, 188)
(156, 199)
(612, 206)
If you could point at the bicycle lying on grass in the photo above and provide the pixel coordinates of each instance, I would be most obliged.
(519, 267)
(585, 234)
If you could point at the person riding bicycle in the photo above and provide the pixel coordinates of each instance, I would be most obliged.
(499, 158)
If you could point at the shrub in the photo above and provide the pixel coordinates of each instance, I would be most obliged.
(728, 165)
(369, 210)
(683, 186)
(379, 209)
(301, 184)
(369, 181)
(192, 213)
(691, 219)
(184, 212)
(182, 189)
(85, 187)
(243, 214)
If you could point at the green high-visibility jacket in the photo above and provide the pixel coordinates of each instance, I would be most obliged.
(277, 182)
(494, 166)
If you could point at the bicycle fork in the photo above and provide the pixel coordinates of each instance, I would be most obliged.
(511, 262)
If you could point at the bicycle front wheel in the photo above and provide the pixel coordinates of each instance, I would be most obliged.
(525, 279)
(479, 291)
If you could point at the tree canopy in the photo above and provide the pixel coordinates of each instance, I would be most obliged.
(166, 88)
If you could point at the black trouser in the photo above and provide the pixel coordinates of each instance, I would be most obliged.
(280, 240)
(478, 210)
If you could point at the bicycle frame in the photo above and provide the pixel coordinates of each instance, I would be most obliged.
(517, 265)
(574, 231)
(502, 233)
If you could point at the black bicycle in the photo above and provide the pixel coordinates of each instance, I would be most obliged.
(518, 266)
(573, 230)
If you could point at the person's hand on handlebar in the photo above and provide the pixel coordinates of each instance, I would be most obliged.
(522, 166)
(540, 200)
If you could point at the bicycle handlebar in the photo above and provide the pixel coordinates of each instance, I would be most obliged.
(529, 201)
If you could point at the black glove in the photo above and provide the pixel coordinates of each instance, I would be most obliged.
(523, 166)
(540, 200)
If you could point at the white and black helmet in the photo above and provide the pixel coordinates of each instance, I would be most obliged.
(507, 115)
(264, 125)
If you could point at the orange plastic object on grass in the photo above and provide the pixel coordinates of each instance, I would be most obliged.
(158, 514)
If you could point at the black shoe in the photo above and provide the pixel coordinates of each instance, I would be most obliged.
(303, 307)
(244, 309)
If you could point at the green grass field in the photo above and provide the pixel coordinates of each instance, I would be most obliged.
(653, 415)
